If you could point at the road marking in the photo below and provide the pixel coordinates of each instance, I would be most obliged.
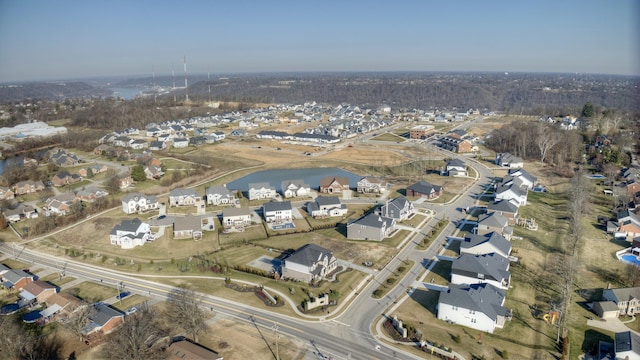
(341, 323)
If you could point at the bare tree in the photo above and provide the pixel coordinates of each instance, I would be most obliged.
(185, 310)
(140, 337)
(78, 320)
(633, 275)
(547, 136)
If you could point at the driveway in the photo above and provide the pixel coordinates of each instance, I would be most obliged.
(613, 325)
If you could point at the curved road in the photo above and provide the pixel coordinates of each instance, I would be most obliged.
(348, 334)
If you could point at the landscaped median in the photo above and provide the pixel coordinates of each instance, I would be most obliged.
(389, 282)
(432, 234)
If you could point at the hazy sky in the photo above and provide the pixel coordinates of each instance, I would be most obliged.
(80, 38)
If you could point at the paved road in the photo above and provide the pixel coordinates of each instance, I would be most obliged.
(347, 335)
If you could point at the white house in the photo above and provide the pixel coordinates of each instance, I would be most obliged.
(485, 244)
(371, 184)
(220, 195)
(309, 263)
(509, 161)
(478, 269)
(326, 206)
(183, 197)
(130, 233)
(456, 167)
(627, 345)
(261, 191)
(295, 188)
(139, 203)
(278, 212)
(526, 179)
(236, 219)
(477, 306)
(180, 143)
(512, 191)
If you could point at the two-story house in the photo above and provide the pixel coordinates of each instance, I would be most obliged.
(295, 188)
(455, 167)
(371, 185)
(334, 185)
(399, 209)
(309, 263)
(370, 227)
(424, 189)
(236, 219)
(130, 233)
(277, 212)
(627, 299)
(183, 197)
(477, 269)
(326, 206)
(261, 191)
(477, 306)
(220, 195)
(493, 222)
(485, 244)
(139, 203)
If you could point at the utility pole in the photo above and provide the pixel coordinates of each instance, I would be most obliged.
(275, 330)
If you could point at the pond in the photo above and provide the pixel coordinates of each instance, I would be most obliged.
(310, 176)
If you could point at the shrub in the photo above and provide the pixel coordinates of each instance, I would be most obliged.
(391, 280)
(504, 354)
(457, 339)
(402, 269)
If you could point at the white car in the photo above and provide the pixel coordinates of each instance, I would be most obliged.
(130, 310)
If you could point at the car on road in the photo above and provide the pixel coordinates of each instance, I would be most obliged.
(131, 310)
(162, 217)
(123, 295)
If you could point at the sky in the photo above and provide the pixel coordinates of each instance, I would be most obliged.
(61, 40)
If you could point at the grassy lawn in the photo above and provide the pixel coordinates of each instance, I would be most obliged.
(438, 227)
(389, 137)
(397, 238)
(15, 264)
(415, 220)
(91, 292)
(129, 301)
(56, 280)
(391, 281)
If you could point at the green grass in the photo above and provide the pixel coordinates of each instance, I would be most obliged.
(129, 301)
(438, 227)
(56, 280)
(415, 220)
(388, 137)
(392, 280)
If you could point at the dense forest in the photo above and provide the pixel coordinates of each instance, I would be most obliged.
(517, 93)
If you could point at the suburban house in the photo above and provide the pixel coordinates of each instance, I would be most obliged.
(526, 179)
(23, 211)
(370, 227)
(506, 208)
(139, 203)
(628, 223)
(295, 188)
(63, 304)
(455, 167)
(627, 345)
(186, 349)
(124, 180)
(424, 189)
(261, 191)
(309, 263)
(103, 318)
(485, 244)
(16, 279)
(65, 178)
(153, 172)
(28, 187)
(513, 191)
(236, 219)
(334, 185)
(371, 185)
(38, 290)
(477, 269)
(606, 309)
(56, 207)
(6, 193)
(220, 195)
(626, 299)
(130, 233)
(180, 143)
(277, 212)
(91, 193)
(399, 208)
(509, 161)
(493, 222)
(183, 197)
(189, 226)
(477, 306)
(326, 206)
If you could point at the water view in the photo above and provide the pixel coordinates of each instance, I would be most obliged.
(311, 176)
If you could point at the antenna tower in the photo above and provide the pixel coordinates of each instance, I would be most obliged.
(186, 87)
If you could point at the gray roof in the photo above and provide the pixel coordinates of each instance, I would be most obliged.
(260, 185)
(276, 206)
(627, 341)
(13, 275)
(296, 183)
(498, 241)
(127, 225)
(182, 192)
(308, 255)
(374, 220)
(484, 298)
(138, 196)
(503, 206)
(493, 265)
(626, 294)
(327, 200)
(456, 162)
(494, 219)
(188, 222)
(522, 173)
(222, 190)
(513, 187)
(235, 211)
(102, 313)
(424, 187)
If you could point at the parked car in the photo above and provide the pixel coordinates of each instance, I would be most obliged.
(131, 310)
(123, 295)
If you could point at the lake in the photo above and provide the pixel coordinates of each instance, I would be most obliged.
(311, 176)
(126, 93)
